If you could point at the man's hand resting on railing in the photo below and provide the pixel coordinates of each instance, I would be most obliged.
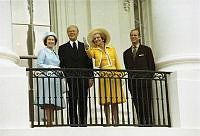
(91, 81)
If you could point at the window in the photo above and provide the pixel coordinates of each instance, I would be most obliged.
(30, 20)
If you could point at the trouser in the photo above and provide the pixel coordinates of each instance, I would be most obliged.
(78, 90)
(142, 99)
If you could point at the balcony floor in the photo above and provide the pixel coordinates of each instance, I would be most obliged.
(101, 131)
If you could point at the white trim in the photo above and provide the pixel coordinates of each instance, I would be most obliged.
(9, 56)
(107, 56)
(174, 60)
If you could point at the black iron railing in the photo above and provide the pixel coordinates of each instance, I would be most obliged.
(134, 98)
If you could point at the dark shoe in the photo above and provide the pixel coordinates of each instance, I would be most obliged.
(73, 125)
(49, 124)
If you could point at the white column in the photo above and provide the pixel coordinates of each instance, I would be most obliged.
(13, 81)
(176, 44)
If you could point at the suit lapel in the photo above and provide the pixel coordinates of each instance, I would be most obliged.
(130, 54)
(79, 49)
(130, 51)
(68, 46)
(70, 51)
(139, 51)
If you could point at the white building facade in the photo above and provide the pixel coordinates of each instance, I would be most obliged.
(171, 28)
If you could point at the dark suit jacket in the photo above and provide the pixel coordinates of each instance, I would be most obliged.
(70, 60)
(143, 61)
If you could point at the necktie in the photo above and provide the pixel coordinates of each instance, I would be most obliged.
(75, 50)
(134, 49)
(74, 46)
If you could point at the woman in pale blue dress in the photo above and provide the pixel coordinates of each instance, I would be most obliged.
(54, 85)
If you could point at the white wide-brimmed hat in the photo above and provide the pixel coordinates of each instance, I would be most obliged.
(96, 30)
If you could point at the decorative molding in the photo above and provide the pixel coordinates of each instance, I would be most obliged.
(174, 60)
(126, 4)
(9, 56)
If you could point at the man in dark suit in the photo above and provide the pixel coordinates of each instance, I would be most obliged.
(140, 57)
(72, 55)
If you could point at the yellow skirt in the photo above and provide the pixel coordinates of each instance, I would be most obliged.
(110, 89)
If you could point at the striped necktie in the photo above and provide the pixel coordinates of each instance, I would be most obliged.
(134, 50)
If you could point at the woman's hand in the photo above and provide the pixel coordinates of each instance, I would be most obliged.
(86, 46)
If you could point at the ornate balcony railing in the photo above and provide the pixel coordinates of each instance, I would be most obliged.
(135, 98)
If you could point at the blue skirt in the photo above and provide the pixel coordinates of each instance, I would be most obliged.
(50, 91)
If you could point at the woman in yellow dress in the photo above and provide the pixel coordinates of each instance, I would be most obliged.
(106, 58)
